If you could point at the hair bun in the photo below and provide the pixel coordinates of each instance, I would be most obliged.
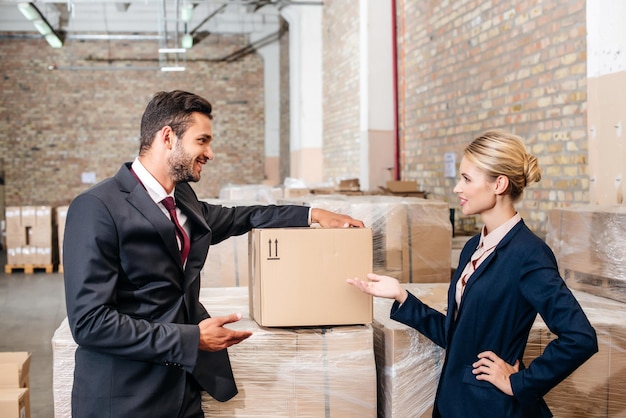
(532, 172)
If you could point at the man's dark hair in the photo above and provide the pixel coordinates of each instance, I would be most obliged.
(173, 109)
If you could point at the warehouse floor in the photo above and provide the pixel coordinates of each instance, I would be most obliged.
(31, 308)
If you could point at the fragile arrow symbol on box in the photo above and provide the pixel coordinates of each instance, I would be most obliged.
(269, 243)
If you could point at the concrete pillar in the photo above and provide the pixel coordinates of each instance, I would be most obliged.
(271, 87)
(377, 122)
(606, 79)
(305, 67)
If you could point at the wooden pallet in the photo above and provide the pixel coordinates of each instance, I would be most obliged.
(28, 268)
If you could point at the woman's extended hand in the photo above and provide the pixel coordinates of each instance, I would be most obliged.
(381, 286)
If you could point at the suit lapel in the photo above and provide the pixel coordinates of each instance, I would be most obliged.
(200, 232)
(200, 236)
(141, 200)
(478, 274)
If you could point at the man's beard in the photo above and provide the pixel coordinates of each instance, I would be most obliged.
(181, 165)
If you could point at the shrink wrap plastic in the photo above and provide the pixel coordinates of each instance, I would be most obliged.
(280, 372)
(589, 243)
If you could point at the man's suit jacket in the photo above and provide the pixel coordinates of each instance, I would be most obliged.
(499, 305)
(131, 306)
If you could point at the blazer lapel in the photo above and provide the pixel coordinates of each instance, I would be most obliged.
(200, 237)
(477, 275)
(141, 200)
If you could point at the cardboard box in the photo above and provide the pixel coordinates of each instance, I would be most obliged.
(295, 191)
(14, 369)
(427, 243)
(15, 403)
(597, 388)
(298, 276)
(336, 372)
(259, 193)
(349, 185)
(406, 188)
(301, 372)
(588, 242)
(226, 264)
(30, 235)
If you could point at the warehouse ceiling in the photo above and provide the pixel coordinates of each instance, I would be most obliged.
(145, 19)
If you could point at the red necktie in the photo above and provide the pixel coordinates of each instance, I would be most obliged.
(169, 204)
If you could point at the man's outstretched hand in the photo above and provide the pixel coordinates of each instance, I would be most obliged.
(328, 219)
(214, 336)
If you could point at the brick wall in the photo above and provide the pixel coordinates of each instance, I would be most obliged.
(464, 66)
(58, 124)
(469, 65)
(341, 107)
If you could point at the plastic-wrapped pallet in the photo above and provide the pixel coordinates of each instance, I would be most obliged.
(226, 264)
(589, 243)
(63, 348)
(295, 372)
(30, 236)
(408, 364)
(261, 193)
(412, 237)
(598, 388)
(280, 372)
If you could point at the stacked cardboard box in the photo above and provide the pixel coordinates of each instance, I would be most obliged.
(226, 264)
(30, 235)
(412, 237)
(14, 385)
(295, 372)
(259, 193)
(598, 387)
(589, 243)
(295, 192)
(405, 188)
(407, 363)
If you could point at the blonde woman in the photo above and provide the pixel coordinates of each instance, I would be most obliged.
(506, 276)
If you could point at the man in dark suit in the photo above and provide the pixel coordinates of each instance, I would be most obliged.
(146, 346)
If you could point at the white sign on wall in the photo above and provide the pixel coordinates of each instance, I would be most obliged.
(88, 177)
(449, 168)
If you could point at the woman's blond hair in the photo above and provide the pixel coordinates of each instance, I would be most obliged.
(499, 153)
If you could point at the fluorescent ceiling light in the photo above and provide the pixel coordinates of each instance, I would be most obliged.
(172, 50)
(172, 69)
(33, 14)
(42, 27)
(29, 11)
(186, 11)
(187, 41)
(54, 40)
